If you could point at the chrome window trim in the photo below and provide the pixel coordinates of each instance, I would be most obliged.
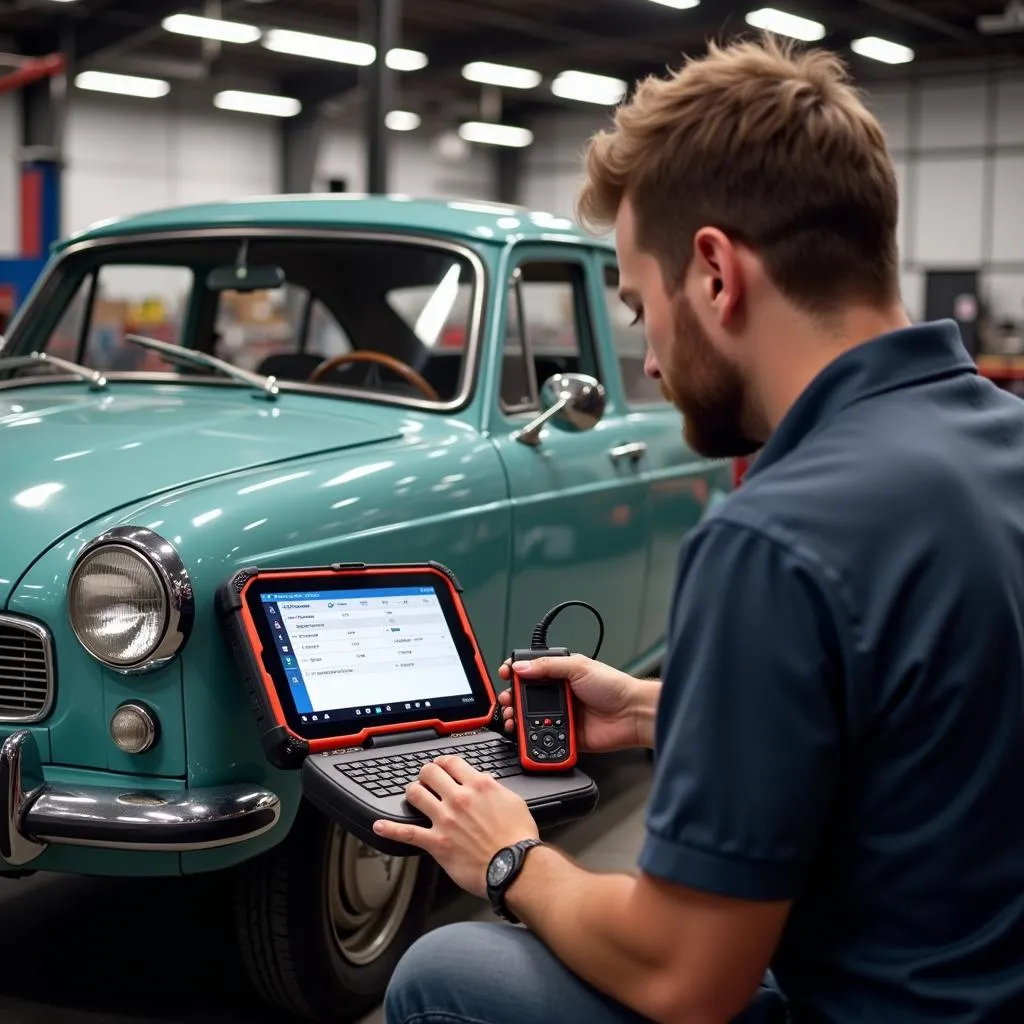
(46, 637)
(472, 353)
(173, 575)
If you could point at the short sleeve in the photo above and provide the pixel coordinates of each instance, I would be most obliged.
(749, 732)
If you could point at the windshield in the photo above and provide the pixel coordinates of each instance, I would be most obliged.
(385, 319)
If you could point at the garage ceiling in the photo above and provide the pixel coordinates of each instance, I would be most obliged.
(624, 39)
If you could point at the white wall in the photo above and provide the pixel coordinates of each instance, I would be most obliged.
(958, 146)
(127, 156)
(418, 165)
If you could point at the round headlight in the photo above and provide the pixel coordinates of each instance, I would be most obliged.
(129, 600)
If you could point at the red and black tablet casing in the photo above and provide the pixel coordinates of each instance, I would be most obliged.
(282, 741)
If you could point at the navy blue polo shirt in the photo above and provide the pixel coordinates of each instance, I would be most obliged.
(842, 719)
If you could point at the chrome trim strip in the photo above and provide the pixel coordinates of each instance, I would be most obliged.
(34, 815)
(199, 819)
(177, 589)
(21, 780)
(476, 321)
(46, 638)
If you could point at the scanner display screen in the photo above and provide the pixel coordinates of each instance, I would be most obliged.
(356, 654)
(543, 698)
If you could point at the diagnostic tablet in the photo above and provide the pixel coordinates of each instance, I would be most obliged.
(332, 657)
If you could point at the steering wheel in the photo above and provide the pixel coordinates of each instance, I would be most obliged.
(404, 370)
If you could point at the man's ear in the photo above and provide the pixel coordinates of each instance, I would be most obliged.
(720, 276)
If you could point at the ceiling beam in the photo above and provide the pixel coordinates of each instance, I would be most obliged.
(314, 88)
(630, 34)
(906, 12)
(132, 24)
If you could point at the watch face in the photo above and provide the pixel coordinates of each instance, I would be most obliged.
(500, 867)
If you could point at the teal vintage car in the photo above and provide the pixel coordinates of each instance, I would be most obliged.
(299, 381)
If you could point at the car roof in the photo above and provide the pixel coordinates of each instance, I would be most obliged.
(464, 219)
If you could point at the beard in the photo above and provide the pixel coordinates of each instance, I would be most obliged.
(707, 389)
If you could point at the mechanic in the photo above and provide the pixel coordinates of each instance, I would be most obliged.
(838, 793)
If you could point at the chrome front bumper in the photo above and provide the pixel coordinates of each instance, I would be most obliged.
(35, 814)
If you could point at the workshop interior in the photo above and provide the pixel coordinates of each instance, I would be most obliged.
(319, 406)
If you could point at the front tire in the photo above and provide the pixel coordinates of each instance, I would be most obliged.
(322, 919)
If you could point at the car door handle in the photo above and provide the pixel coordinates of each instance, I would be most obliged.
(634, 451)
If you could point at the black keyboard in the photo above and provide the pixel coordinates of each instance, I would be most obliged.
(391, 774)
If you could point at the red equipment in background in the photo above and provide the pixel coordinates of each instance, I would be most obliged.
(40, 197)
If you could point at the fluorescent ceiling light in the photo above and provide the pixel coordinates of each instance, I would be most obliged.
(883, 50)
(405, 60)
(123, 85)
(495, 134)
(785, 24)
(402, 120)
(502, 75)
(679, 5)
(257, 103)
(588, 88)
(211, 28)
(305, 44)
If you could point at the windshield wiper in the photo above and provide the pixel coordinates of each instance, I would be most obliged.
(95, 379)
(268, 386)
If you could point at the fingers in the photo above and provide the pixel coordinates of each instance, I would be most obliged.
(436, 777)
(420, 797)
(505, 698)
(551, 668)
(459, 769)
(413, 835)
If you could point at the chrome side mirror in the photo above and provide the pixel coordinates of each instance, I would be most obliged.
(572, 401)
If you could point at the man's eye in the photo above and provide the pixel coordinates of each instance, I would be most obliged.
(637, 319)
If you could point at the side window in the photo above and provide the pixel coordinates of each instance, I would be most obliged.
(147, 300)
(548, 332)
(629, 344)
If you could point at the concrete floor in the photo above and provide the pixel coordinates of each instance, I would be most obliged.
(108, 951)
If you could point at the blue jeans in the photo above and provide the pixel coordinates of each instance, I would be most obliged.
(482, 973)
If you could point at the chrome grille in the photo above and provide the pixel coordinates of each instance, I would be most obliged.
(26, 670)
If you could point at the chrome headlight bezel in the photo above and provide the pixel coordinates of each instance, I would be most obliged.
(161, 557)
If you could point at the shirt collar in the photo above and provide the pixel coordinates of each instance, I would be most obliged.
(899, 359)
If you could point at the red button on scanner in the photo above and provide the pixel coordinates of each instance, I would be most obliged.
(547, 721)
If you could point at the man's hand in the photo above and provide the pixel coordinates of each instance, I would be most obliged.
(472, 816)
(614, 711)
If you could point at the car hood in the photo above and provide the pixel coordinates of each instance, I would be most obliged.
(69, 455)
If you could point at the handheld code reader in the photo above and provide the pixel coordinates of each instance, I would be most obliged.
(543, 708)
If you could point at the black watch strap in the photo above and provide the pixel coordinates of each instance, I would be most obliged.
(496, 893)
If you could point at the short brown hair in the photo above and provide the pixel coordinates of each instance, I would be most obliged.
(774, 147)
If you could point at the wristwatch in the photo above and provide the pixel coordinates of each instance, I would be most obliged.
(502, 871)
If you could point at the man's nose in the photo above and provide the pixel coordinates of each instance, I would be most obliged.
(651, 366)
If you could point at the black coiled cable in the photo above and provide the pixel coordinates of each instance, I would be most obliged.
(540, 633)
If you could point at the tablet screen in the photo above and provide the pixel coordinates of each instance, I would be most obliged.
(347, 657)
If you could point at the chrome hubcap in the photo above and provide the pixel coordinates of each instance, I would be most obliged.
(369, 895)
